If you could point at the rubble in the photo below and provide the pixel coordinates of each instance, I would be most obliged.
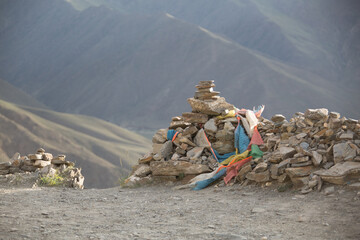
(43, 169)
(308, 149)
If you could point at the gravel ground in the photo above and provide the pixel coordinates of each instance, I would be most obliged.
(161, 212)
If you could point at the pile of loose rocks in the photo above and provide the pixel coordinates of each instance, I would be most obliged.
(310, 148)
(42, 165)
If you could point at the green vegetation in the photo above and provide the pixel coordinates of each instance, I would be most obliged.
(54, 180)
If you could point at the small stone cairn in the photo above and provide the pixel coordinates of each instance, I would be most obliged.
(309, 149)
(43, 164)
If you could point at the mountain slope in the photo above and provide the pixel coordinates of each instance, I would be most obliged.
(137, 70)
(12, 94)
(104, 151)
(307, 35)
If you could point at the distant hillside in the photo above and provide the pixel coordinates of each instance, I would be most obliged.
(12, 94)
(312, 35)
(104, 151)
(136, 68)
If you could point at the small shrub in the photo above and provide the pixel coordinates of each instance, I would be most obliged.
(54, 180)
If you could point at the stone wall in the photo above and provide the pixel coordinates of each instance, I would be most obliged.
(304, 151)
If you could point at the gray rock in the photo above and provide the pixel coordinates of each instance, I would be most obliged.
(224, 135)
(301, 135)
(195, 117)
(5, 165)
(180, 151)
(210, 126)
(179, 124)
(195, 153)
(166, 150)
(142, 170)
(160, 136)
(335, 123)
(335, 115)
(156, 148)
(340, 172)
(175, 168)
(347, 136)
(200, 139)
(329, 190)
(259, 177)
(175, 157)
(189, 131)
(287, 152)
(4, 171)
(343, 152)
(41, 163)
(258, 210)
(35, 156)
(223, 147)
(316, 114)
(47, 156)
(277, 118)
(316, 158)
(261, 167)
(299, 171)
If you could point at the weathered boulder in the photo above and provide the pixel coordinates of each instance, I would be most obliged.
(175, 168)
(5, 165)
(160, 136)
(299, 171)
(41, 163)
(287, 152)
(343, 152)
(259, 177)
(179, 124)
(278, 118)
(195, 117)
(316, 114)
(340, 173)
(210, 107)
(223, 147)
(142, 170)
(146, 158)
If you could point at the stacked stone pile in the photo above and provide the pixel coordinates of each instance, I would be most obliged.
(44, 164)
(310, 148)
(205, 91)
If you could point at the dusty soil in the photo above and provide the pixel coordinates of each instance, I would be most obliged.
(233, 212)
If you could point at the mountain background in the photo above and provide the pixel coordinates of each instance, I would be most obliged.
(135, 62)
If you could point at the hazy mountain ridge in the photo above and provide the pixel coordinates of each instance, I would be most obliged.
(104, 151)
(307, 35)
(137, 70)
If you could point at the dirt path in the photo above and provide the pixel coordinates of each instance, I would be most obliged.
(164, 213)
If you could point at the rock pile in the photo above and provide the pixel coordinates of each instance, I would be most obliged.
(310, 148)
(45, 166)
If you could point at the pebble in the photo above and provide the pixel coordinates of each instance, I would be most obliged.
(329, 190)
(258, 210)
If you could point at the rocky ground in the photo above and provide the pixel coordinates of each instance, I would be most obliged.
(235, 212)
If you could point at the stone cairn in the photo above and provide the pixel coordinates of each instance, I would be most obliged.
(310, 148)
(44, 164)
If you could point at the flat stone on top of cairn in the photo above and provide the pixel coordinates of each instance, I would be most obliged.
(205, 91)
